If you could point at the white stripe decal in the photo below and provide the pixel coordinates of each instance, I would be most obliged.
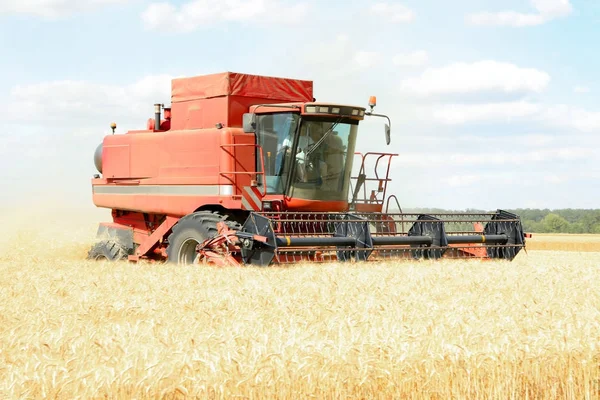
(250, 194)
(246, 205)
(226, 190)
(181, 190)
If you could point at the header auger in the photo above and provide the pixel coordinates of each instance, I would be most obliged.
(280, 238)
(251, 170)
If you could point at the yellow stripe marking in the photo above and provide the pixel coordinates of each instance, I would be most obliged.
(289, 241)
(482, 239)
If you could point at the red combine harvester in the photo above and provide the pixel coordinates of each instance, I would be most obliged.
(245, 169)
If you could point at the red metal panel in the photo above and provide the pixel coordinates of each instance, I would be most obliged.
(206, 113)
(199, 113)
(190, 154)
(366, 207)
(174, 154)
(144, 153)
(150, 241)
(175, 172)
(161, 180)
(157, 204)
(244, 160)
(115, 159)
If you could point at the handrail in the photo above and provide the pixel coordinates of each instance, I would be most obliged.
(382, 181)
(250, 173)
(387, 205)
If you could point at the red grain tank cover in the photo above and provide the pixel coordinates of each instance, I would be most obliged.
(202, 101)
(234, 84)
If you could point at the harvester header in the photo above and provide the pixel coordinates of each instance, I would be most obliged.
(246, 169)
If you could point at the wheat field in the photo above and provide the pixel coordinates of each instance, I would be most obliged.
(564, 242)
(529, 329)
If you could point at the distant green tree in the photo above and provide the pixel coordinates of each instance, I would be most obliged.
(532, 226)
(554, 223)
(591, 221)
(576, 227)
(568, 220)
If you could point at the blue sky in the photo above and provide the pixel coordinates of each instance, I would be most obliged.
(494, 104)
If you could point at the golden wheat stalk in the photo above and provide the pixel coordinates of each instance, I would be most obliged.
(451, 329)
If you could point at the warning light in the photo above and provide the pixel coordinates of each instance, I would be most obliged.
(372, 101)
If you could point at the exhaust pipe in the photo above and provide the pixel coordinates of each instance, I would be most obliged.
(157, 117)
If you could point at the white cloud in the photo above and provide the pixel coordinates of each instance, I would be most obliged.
(52, 8)
(505, 18)
(553, 116)
(581, 89)
(395, 13)
(342, 38)
(555, 178)
(572, 117)
(468, 180)
(77, 103)
(326, 60)
(206, 13)
(52, 129)
(553, 8)
(330, 62)
(367, 59)
(547, 10)
(482, 76)
(414, 59)
(454, 114)
(497, 157)
(520, 140)
(464, 180)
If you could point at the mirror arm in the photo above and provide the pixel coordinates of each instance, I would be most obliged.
(388, 127)
(370, 114)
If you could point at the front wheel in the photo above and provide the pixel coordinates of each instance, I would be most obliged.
(192, 230)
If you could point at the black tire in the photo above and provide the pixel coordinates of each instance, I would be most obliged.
(192, 230)
(107, 250)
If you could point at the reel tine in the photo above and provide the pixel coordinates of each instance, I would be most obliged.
(317, 237)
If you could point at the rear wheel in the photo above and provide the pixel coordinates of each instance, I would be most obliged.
(192, 230)
(107, 250)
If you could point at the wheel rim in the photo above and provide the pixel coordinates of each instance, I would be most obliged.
(187, 251)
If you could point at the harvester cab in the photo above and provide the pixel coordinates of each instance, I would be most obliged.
(307, 153)
(252, 170)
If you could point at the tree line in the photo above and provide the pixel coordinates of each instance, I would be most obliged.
(560, 221)
(546, 221)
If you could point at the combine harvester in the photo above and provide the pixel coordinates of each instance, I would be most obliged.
(251, 170)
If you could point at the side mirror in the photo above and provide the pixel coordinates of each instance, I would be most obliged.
(387, 134)
(249, 122)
